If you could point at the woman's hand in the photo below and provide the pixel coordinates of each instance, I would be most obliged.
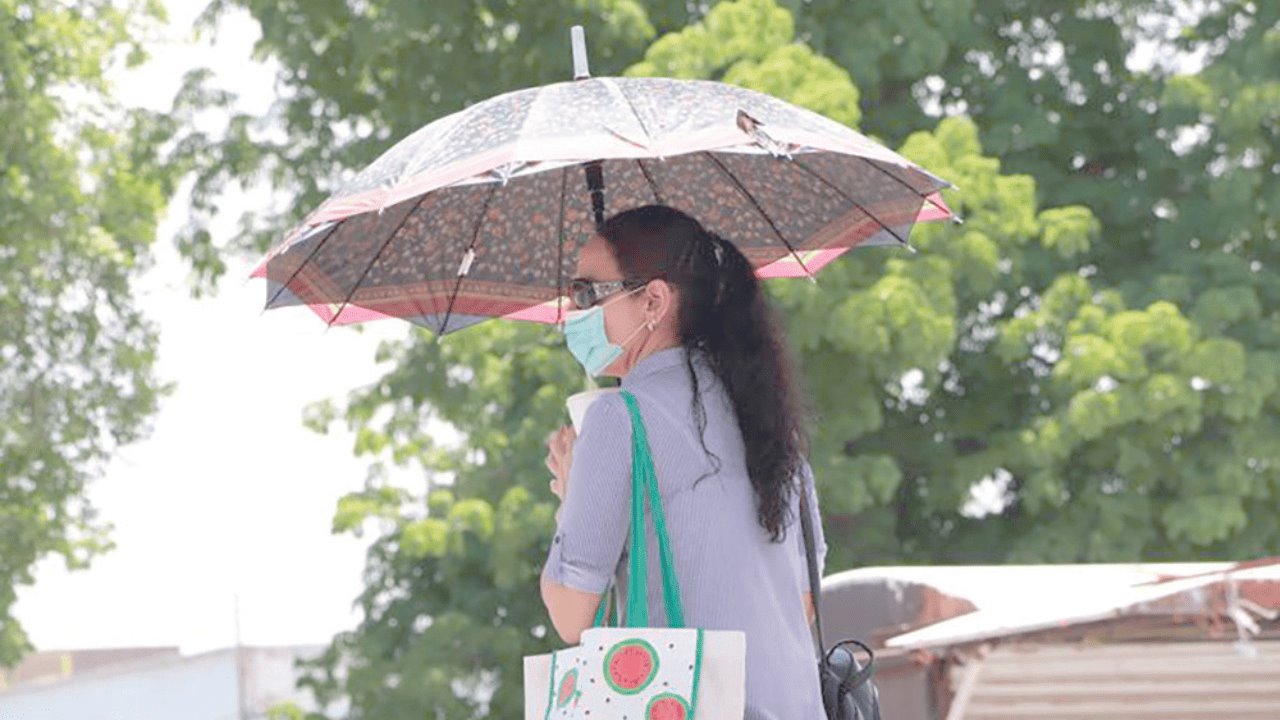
(559, 457)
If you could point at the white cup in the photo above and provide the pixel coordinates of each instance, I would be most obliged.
(579, 402)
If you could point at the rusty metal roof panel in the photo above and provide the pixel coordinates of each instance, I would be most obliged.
(1122, 682)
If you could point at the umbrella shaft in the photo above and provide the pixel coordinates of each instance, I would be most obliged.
(594, 171)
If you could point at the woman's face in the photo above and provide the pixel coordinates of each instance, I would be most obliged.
(628, 313)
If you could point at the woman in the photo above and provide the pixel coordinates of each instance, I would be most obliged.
(677, 313)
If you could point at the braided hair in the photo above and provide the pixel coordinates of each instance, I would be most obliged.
(724, 316)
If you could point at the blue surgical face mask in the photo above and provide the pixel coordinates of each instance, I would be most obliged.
(585, 335)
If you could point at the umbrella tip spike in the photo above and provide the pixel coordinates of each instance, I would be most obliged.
(578, 39)
(956, 219)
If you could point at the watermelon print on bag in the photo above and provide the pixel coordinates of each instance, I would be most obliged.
(568, 688)
(630, 666)
(614, 673)
(668, 706)
(568, 683)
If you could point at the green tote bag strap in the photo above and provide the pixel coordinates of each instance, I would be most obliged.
(607, 598)
(644, 481)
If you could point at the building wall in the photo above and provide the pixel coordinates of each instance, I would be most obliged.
(57, 664)
(269, 677)
(905, 688)
(200, 687)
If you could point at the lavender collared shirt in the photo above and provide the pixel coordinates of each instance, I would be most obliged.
(731, 575)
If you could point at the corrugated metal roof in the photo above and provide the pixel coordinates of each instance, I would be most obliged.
(1127, 681)
(1241, 593)
(1052, 642)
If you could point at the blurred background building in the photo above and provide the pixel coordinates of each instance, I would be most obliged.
(154, 682)
(1051, 642)
(1067, 642)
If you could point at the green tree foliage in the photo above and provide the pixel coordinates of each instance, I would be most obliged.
(1096, 348)
(450, 603)
(82, 186)
(1146, 382)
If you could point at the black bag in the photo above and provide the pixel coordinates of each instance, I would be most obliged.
(847, 690)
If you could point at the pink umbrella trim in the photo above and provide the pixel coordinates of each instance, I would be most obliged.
(550, 312)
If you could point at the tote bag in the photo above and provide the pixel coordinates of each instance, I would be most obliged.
(635, 671)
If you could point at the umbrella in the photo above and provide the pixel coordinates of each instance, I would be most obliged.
(480, 214)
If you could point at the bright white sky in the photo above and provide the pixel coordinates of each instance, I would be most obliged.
(231, 494)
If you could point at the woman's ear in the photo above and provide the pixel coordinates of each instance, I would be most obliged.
(659, 300)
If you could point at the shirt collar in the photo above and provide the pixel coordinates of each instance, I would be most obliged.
(653, 364)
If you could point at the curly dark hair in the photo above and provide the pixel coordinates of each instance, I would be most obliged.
(724, 314)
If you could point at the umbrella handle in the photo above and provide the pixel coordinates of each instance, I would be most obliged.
(578, 38)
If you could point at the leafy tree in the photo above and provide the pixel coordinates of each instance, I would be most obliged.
(1096, 347)
(450, 603)
(1159, 445)
(992, 406)
(81, 190)
(472, 561)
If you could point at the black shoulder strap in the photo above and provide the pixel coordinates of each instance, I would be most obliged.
(815, 580)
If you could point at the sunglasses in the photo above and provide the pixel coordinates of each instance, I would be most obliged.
(587, 293)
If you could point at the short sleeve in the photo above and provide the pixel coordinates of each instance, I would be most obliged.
(807, 486)
(595, 516)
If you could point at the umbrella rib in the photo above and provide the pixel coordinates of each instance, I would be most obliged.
(622, 91)
(760, 209)
(303, 264)
(905, 184)
(564, 191)
(649, 179)
(342, 308)
(475, 235)
(850, 199)
(423, 312)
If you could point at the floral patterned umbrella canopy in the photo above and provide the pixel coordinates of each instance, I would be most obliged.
(481, 214)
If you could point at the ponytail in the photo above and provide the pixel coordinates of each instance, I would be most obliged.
(725, 316)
